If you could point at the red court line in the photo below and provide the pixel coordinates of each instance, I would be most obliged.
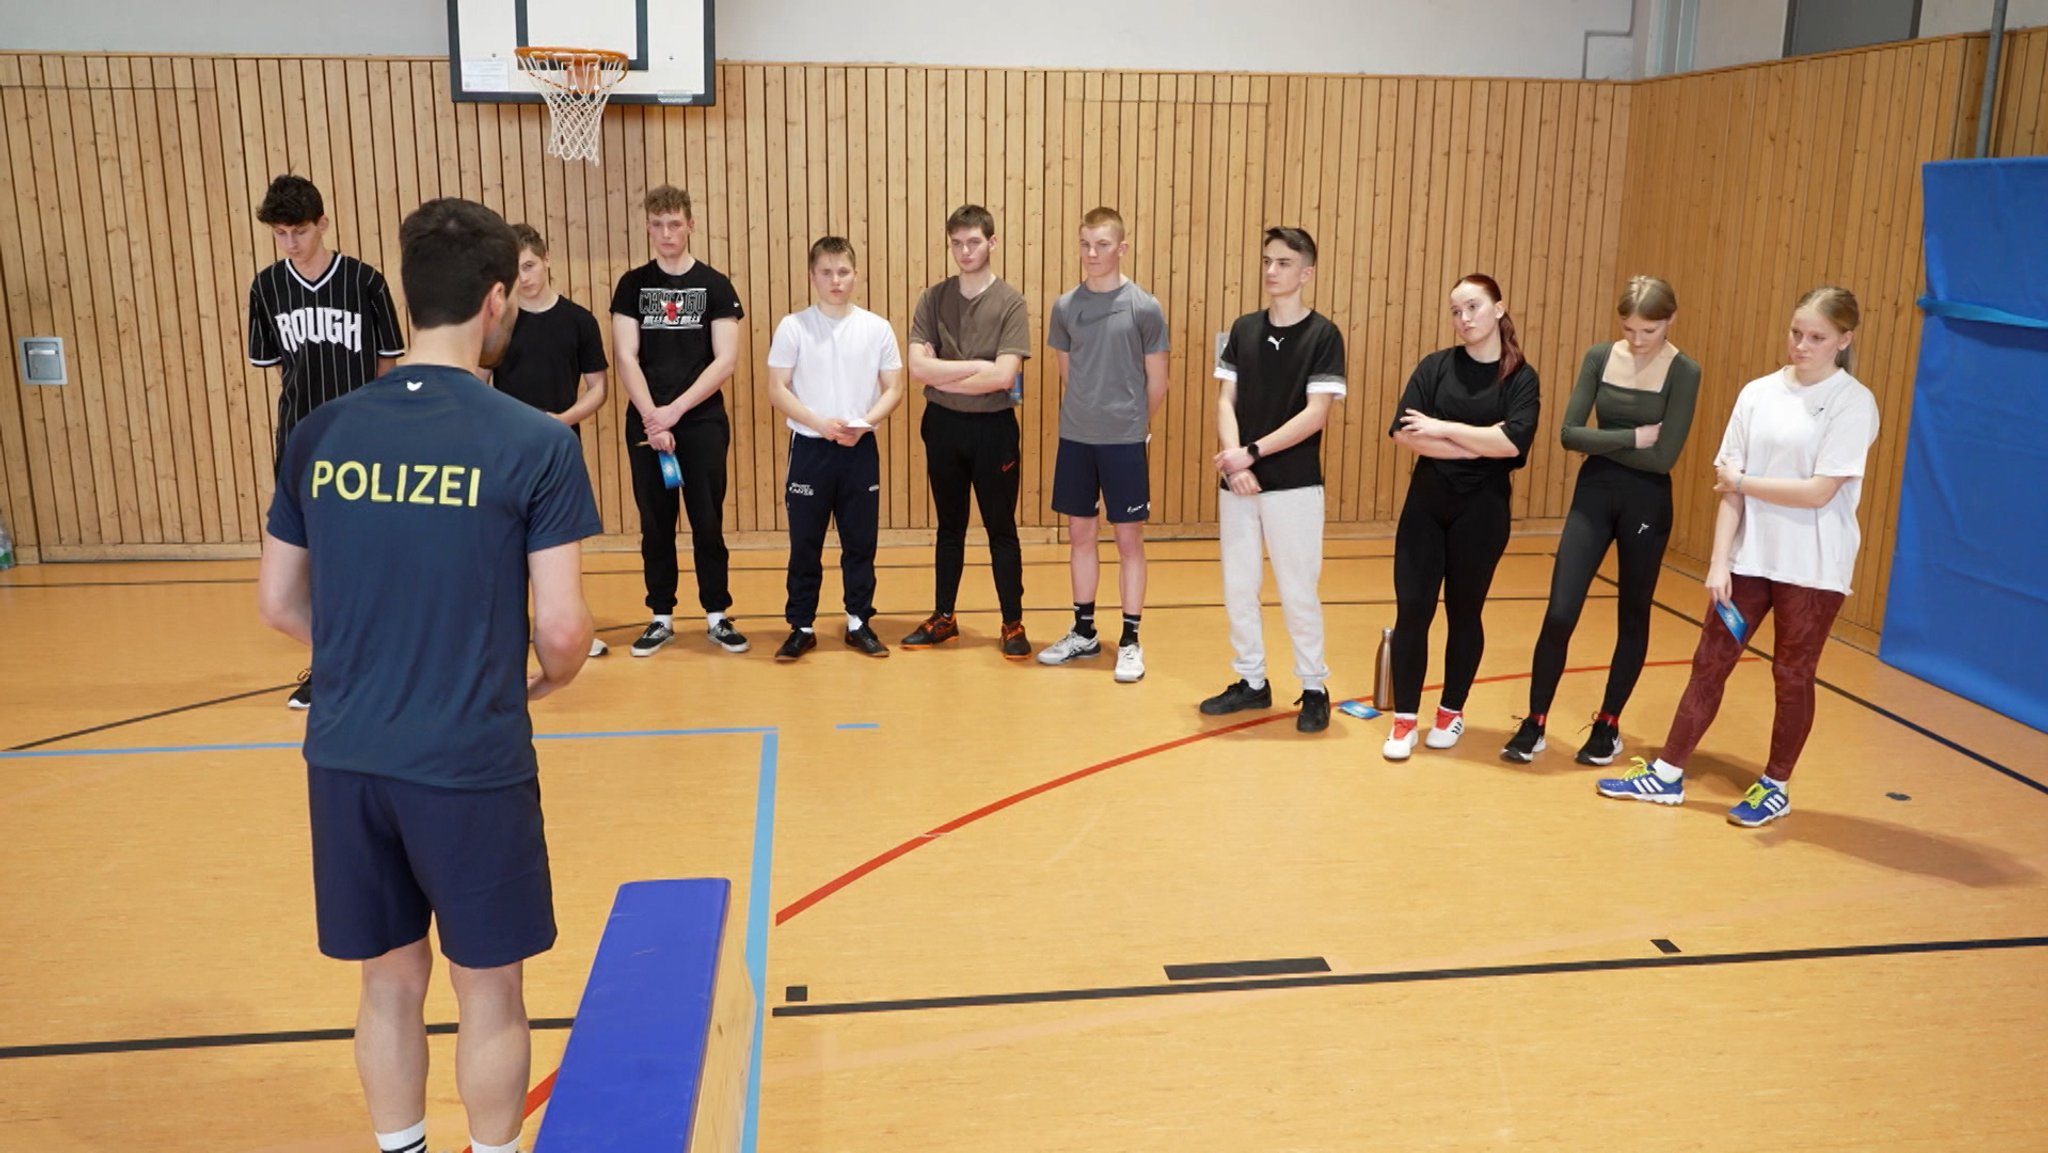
(864, 868)
(539, 1095)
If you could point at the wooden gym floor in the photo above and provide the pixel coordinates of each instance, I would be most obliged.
(977, 872)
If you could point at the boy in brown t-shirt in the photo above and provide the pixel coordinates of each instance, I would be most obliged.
(969, 338)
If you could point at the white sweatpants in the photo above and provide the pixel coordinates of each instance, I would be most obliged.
(1289, 526)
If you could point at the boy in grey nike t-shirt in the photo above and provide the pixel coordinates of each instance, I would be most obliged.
(1111, 340)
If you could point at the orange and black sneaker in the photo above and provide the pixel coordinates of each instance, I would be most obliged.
(937, 629)
(1016, 646)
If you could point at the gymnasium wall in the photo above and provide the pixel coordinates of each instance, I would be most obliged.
(1559, 39)
(1747, 186)
(125, 226)
(129, 231)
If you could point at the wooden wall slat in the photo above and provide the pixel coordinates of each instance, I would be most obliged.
(128, 186)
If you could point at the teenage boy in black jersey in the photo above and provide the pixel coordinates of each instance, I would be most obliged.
(1282, 368)
(556, 360)
(676, 338)
(325, 319)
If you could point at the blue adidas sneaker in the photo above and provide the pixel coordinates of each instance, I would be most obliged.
(1641, 783)
(1765, 802)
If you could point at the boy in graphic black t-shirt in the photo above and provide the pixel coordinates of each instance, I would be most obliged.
(555, 361)
(324, 320)
(1281, 368)
(676, 336)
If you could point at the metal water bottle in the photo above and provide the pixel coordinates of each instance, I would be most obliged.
(1383, 674)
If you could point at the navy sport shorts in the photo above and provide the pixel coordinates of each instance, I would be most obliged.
(1117, 471)
(390, 855)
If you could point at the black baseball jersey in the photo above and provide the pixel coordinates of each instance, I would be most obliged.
(326, 334)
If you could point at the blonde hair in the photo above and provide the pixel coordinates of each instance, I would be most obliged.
(1101, 217)
(1838, 307)
(1647, 298)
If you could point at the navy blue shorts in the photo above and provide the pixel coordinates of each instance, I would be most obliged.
(389, 855)
(1117, 471)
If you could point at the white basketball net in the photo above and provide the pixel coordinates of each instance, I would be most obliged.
(575, 84)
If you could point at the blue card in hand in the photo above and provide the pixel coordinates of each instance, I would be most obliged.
(1732, 617)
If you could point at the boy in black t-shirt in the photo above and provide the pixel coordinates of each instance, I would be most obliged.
(324, 319)
(556, 350)
(1281, 369)
(676, 335)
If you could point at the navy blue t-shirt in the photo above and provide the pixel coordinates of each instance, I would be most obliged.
(419, 497)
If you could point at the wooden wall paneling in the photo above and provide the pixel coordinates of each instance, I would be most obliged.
(134, 168)
(17, 489)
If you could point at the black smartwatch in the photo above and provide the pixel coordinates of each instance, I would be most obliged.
(1252, 450)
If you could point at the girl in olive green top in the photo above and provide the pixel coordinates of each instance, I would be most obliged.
(1643, 389)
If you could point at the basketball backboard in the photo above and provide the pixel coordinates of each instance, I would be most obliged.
(667, 41)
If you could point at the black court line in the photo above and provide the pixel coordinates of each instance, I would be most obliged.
(1406, 977)
(226, 1040)
(1220, 969)
(918, 565)
(1952, 745)
(635, 628)
(150, 717)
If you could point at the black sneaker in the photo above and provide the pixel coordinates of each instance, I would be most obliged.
(1603, 746)
(650, 642)
(797, 644)
(864, 640)
(1314, 716)
(1525, 744)
(727, 637)
(937, 629)
(1016, 646)
(302, 697)
(1241, 696)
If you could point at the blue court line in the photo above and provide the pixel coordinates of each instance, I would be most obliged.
(135, 752)
(860, 725)
(757, 928)
(144, 750)
(757, 877)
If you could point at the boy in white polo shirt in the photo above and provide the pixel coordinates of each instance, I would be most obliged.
(835, 372)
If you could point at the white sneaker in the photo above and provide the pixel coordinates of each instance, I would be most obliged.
(1401, 742)
(1071, 647)
(598, 648)
(1130, 664)
(1448, 728)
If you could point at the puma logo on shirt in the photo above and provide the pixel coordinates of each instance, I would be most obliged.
(1274, 341)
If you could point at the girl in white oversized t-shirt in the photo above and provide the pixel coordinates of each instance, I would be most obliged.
(1790, 473)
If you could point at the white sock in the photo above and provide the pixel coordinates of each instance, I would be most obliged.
(664, 620)
(1404, 716)
(1255, 683)
(804, 629)
(1453, 712)
(1772, 783)
(413, 1140)
(1667, 772)
(476, 1146)
(711, 620)
(854, 623)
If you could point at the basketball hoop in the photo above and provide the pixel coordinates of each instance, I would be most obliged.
(575, 82)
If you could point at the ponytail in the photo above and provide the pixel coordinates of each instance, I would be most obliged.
(1511, 358)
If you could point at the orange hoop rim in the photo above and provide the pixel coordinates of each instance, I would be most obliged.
(543, 63)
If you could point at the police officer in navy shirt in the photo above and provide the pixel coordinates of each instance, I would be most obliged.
(411, 519)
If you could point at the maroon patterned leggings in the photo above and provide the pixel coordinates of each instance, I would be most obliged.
(1804, 617)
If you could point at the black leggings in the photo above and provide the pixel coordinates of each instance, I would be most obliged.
(1631, 509)
(1449, 541)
